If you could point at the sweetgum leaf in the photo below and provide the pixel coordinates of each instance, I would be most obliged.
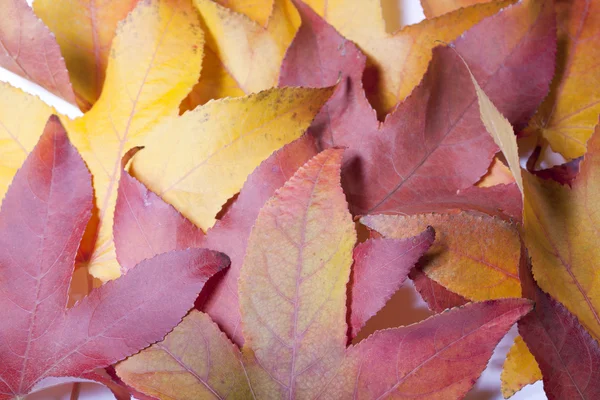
(400, 59)
(437, 297)
(567, 117)
(561, 226)
(568, 356)
(400, 165)
(29, 49)
(85, 41)
(293, 303)
(380, 267)
(42, 220)
(155, 60)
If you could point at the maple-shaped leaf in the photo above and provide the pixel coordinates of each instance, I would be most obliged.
(435, 8)
(567, 117)
(568, 356)
(433, 147)
(561, 230)
(85, 41)
(475, 256)
(155, 60)
(146, 225)
(242, 55)
(28, 48)
(399, 59)
(293, 304)
(42, 221)
(22, 118)
(380, 267)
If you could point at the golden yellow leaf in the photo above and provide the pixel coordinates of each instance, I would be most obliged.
(241, 51)
(500, 129)
(199, 160)
(401, 58)
(520, 369)
(474, 256)
(22, 121)
(155, 60)
(567, 117)
(435, 8)
(561, 233)
(84, 30)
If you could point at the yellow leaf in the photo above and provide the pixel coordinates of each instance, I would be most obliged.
(84, 30)
(474, 256)
(293, 283)
(243, 51)
(257, 10)
(155, 60)
(500, 129)
(561, 233)
(197, 161)
(567, 117)
(401, 58)
(435, 8)
(168, 370)
(520, 369)
(22, 121)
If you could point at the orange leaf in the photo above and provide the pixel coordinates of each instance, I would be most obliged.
(474, 256)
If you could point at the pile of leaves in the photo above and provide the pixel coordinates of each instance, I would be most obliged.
(251, 182)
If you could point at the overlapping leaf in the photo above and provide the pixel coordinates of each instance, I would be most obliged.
(435, 8)
(399, 165)
(42, 220)
(561, 233)
(400, 59)
(292, 294)
(28, 48)
(568, 116)
(85, 40)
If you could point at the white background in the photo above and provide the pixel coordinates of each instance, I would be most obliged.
(406, 305)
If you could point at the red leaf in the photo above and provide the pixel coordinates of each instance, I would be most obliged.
(41, 223)
(437, 297)
(380, 268)
(29, 49)
(568, 356)
(434, 143)
(145, 225)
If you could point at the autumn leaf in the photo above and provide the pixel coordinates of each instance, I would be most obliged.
(435, 8)
(22, 118)
(561, 233)
(520, 369)
(145, 225)
(437, 297)
(380, 267)
(28, 48)
(293, 303)
(568, 116)
(162, 39)
(398, 166)
(86, 40)
(401, 58)
(212, 147)
(567, 355)
(233, 42)
(498, 174)
(476, 256)
(257, 10)
(42, 220)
